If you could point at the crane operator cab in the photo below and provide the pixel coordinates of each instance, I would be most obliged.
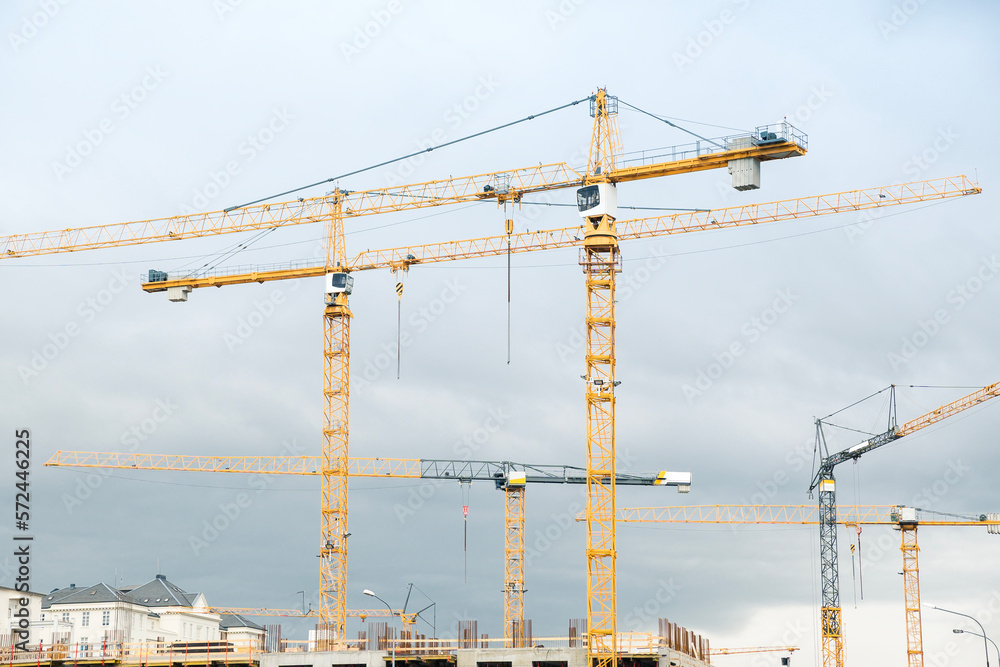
(598, 204)
(337, 284)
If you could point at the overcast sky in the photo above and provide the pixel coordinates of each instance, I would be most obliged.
(129, 111)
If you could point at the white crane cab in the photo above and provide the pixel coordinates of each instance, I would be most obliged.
(339, 283)
(598, 205)
(598, 200)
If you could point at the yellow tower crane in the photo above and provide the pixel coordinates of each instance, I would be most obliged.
(742, 154)
(903, 519)
(510, 477)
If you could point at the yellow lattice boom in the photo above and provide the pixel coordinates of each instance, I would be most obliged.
(267, 465)
(752, 649)
(808, 515)
(566, 237)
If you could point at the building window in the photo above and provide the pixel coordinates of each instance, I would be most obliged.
(86, 619)
(65, 617)
(105, 618)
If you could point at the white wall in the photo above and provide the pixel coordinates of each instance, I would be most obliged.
(10, 599)
(85, 624)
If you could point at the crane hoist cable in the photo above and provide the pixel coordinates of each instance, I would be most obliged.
(509, 226)
(674, 125)
(854, 577)
(399, 314)
(465, 521)
(861, 573)
(410, 155)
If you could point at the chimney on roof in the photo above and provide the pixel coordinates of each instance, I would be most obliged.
(161, 576)
(72, 585)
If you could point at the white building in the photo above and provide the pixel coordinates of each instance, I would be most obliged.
(157, 616)
(11, 600)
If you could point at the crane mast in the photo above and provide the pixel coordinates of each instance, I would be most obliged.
(332, 628)
(831, 620)
(601, 263)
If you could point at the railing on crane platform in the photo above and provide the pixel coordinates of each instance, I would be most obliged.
(761, 136)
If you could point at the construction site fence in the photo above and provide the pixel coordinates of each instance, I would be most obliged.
(139, 653)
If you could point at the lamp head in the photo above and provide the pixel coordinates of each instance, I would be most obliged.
(958, 632)
(928, 605)
(368, 592)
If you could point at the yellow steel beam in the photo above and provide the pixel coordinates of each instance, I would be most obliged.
(911, 593)
(507, 185)
(293, 613)
(680, 223)
(266, 216)
(876, 515)
(512, 184)
(751, 649)
(513, 567)
(332, 627)
(600, 265)
(267, 465)
(945, 411)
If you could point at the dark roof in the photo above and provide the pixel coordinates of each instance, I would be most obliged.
(90, 595)
(157, 593)
(161, 593)
(229, 621)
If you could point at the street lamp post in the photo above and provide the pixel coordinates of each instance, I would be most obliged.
(391, 614)
(976, 634)
(986, 647)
